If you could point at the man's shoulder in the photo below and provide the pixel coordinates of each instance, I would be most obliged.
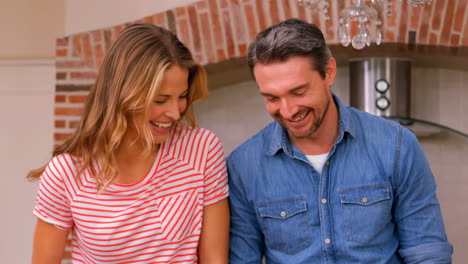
(372, 123)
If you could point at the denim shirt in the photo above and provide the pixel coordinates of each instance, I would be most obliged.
(375, 201)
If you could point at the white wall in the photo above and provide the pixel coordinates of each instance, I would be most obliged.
(26, 103)
(29, 28)
(86, 15)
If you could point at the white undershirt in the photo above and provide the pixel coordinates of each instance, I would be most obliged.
(318, 161)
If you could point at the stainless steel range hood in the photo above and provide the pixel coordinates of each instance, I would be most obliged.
(382, 86)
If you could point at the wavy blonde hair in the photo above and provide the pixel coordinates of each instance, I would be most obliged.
(130, 77)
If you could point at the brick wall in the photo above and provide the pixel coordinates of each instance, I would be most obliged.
(217, 30)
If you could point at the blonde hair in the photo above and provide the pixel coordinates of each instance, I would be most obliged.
(129, 79)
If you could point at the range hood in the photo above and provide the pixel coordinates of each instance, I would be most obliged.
(382, 86)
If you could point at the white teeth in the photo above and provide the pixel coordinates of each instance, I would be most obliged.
(161, 125)
(299, 118)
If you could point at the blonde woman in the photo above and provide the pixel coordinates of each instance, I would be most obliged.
(137, 182)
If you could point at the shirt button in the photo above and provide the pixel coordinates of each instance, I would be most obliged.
(327, 241)
(283, 213)
(327, 163)
(364, 200)
(324, 201)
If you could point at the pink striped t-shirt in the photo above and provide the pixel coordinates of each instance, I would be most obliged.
(156, 220)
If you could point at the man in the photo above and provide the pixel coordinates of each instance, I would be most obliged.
(326, 183)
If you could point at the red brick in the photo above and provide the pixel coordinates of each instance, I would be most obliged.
(251, 22)
(228, 34)
(148, 19)
(389, 36)
(448, 22)
(184, 33)
(223, 4)
(60, 98)
(208, 38)
(391, 20)
(403, 27)
(221, 54)
(238, 21)
(160, 19)
(242, 49)
(217, 29)
(83, 75)
(59, 123)
(415, 14)
(116, 30)
(330, 25)
(97, 35)
(70, 64)
(433, 39)
(459, 14)
(180, 12)
(99, 51)
(424, 28)
(73, 124)
(261, 14)
(66, 111)
(87, 50)
(61, 136)
(76, 45)
(465, 33)
(61, 52)
(287, 9)
(193, 19)
(437, 15)
(61, 42)
(77, 99)
(201, 5)
(455, 40)
(274, 12)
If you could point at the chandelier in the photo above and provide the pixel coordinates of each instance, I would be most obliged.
(361, 21)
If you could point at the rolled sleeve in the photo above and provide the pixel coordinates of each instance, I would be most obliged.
(420, 227)
(430, 253)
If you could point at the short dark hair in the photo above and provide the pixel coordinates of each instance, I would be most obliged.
(292, 37)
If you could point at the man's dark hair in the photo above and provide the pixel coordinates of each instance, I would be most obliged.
(292, 37)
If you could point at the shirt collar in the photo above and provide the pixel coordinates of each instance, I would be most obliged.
(279, 135)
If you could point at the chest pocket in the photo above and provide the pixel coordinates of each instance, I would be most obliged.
(366, 212)
(286, 224)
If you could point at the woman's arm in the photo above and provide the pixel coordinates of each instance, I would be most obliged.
(49, 243)
(214, 239)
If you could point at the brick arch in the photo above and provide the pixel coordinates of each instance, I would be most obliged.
(219, 30)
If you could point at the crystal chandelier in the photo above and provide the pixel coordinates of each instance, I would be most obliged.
(361, 21)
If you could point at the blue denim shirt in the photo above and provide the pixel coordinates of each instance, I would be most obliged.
(375, 201)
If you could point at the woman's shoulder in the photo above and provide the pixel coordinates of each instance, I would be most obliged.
(63, 164)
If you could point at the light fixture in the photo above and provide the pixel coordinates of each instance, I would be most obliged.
(360, 22)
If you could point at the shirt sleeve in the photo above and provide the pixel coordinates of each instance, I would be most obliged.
(418, 218)
(246, 239)
(52, 205)
(215, 174)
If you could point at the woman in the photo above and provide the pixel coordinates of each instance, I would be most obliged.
(137, 182)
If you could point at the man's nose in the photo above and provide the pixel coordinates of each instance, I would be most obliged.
(287, 109)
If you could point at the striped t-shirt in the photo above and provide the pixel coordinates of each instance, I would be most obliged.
(156, 220)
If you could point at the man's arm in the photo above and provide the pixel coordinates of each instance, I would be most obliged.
(417, 214)
(246, 239)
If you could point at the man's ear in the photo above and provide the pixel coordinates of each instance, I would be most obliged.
(331, 71)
